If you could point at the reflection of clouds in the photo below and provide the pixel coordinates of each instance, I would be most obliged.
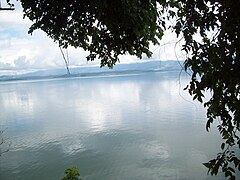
(97, 104)
(165, 99)
(115, 122)
(96, 115)
(129, 91)
(104, 104)
(156, 151)
(18, 101)
(92, 104)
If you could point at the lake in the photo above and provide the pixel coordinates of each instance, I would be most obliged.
(138, 126)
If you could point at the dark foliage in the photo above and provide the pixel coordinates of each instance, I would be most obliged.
(211, 30)
(105, 28)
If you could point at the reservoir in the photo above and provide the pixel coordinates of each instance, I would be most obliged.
(118, 127)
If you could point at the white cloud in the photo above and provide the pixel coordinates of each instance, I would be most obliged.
(5, 65)
(21, 62)
(19, 49)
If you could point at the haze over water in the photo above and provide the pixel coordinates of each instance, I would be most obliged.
(138, 126)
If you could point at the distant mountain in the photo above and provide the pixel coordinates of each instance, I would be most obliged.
(80, 71)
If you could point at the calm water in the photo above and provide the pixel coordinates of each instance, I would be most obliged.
(112, 128)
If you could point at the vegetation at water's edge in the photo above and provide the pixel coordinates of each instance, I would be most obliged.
(71, 173)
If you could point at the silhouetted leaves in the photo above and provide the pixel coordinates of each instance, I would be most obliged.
(214, 61)
(105, 28)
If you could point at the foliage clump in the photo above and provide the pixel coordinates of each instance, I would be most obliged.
(71, 173)
(211, 30)
(106, 28)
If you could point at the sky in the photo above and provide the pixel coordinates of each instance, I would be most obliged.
(20, 50)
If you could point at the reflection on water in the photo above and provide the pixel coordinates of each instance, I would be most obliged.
(130, 127)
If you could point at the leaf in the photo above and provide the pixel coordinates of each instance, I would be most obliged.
(185, 88)
(208, 124)
(195, 97)
(222, 146)
(200, 99)
(208, 165)
(231, 169)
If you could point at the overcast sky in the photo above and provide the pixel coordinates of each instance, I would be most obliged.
(20, 50)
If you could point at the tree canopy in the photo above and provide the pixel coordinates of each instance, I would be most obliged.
(105, 28)
(215, 65)
(211, 33)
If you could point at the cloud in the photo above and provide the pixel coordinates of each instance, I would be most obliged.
(19, 49)
(21, 62)
(5, 65)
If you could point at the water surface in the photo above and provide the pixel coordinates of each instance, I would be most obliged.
(141, 126)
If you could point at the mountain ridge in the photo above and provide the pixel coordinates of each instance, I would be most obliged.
(83, 71)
